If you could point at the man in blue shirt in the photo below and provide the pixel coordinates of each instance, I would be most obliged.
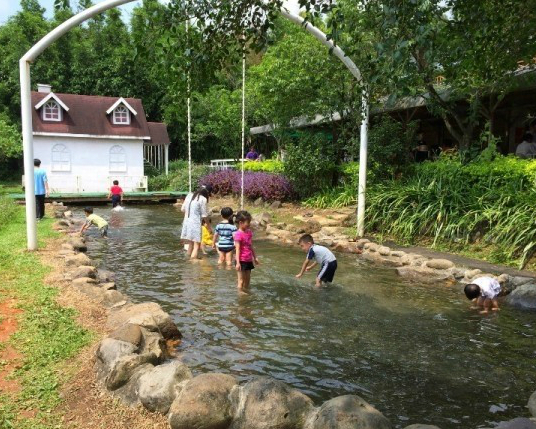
(41, 188)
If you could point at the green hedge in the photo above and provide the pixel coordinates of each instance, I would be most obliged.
(268, 166)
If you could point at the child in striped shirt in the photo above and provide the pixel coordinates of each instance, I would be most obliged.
(223, 237)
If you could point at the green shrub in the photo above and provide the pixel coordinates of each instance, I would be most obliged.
(310, 163)
(8, 211)
(268, 166)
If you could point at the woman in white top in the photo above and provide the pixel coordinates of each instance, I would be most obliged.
(195, 210)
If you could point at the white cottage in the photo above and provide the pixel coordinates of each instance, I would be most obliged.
(85, 142)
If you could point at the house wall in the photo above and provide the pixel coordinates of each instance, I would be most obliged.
(89, 169)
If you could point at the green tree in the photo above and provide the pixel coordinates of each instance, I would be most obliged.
(10, 139)
(474, 46)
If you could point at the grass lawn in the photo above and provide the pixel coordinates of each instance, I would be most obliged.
(47, 334)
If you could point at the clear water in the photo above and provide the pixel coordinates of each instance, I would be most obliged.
(416, 352)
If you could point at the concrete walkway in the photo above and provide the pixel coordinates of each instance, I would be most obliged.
(486, 267)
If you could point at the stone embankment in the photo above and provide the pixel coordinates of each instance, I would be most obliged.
(332, 231)
(135, 363)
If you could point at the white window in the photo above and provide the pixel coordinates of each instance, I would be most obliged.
(118, 159)
(51, 111)
(61, 158)
(121, 115)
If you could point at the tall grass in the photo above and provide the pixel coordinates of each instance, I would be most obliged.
(493, 202)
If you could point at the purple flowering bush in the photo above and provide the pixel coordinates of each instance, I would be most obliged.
(269, 187)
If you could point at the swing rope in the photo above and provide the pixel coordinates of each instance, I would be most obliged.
(243, 123)
(189, 116)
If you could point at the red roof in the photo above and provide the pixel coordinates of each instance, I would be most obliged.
(159, 134)
(87, 115)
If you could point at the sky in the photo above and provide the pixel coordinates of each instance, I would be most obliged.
(9, 7)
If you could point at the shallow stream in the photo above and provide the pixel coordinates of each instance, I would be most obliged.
(416, 352)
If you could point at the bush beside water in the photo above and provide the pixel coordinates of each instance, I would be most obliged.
(269, 187)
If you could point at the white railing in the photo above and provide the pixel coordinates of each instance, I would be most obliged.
(82, 184)
(224, 164)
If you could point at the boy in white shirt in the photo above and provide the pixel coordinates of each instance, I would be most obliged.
(322, 255)
(484, 291)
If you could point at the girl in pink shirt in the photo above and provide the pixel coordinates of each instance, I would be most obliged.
(245, 254)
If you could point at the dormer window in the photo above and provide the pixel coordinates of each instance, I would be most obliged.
(51, 111)
(121, 116)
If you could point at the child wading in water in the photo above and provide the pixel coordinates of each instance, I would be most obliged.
(322, 256)
(206, 236)
(483, 291)
(93, 219)
(116, 194)
(223, 237)
(245, 254)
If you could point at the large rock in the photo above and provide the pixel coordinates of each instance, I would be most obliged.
(384, 250)
(266, 403)
(158, 387)
(348, 412)
(108, 352)
(532, 404)
(112, 297)
(275, 205)
(84, 271)
(105, 276)
(78, 244)
(262, 218)
(203, 403)
(425, 275)
(439, 264)
(421, 426)
(153, 342)
(519, 423)
(309, 227)
(89, 289)
(332, 230)
(83, 281)
(124, 367)
(149, 315)
(361, 243)
(78, 260)
(523, 296)
(128, 333)
(517, 281)
(371, 247)
(129, 392)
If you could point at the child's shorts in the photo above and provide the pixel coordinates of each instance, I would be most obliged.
(104, 231)
(116, 200)
(327, 272)
(226, 249)
(246, 266)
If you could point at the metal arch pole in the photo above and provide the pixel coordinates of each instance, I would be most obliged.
(363, 148)
(26, 106)
(363, 143)
(27, 144)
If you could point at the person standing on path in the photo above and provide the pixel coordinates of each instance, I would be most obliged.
(195, 210)
(41, 189)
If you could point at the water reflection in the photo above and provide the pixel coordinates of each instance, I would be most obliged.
(414, 351)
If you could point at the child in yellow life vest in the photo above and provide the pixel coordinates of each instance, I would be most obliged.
(206, 237)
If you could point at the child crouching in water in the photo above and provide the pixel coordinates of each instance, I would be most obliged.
(484, 291)
(245, 254)
(223, 237)
(322, 255)
(93, 219)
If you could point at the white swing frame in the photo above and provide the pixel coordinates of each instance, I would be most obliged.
(60, 30)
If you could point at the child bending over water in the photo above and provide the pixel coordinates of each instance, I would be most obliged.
(245, 254)
(483, 291)
(322, 255)
(223, 237)
(93, 219)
